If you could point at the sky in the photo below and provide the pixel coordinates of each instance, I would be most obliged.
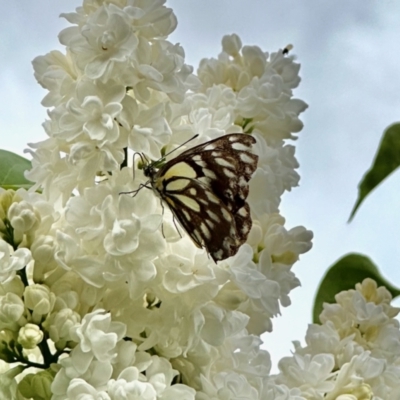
(349, 58)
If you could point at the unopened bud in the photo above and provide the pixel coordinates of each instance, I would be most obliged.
(231, 44)
(39, 299)
(11, 309)
(30, 336)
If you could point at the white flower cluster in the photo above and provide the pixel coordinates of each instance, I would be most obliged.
(91, 290)
(354, 354)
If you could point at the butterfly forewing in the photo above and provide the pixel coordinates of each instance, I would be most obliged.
(206, 189)
(226, 164)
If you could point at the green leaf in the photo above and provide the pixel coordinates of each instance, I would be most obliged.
(24, 386)
(386, 161)
(12, 167)
(37, 386)
(349, 270)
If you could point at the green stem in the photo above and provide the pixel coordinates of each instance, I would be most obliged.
(22, 275)
(46, 353)
(29, 363)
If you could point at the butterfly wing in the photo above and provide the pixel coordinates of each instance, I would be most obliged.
(205, 218)
(206, 189)
(226, 164)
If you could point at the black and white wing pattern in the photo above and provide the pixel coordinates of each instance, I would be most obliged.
(206, 189)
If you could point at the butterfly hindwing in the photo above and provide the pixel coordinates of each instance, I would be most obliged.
(226, 176)
(207, 221)
(206, 189)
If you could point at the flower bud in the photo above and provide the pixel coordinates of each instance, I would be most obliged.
(6, 199)
(68, 299)
(231, 44)
(11, 310)
(60, 323)
(43, 249)
(13, 286)
(39, 299)
(30, 336)
(23, 216)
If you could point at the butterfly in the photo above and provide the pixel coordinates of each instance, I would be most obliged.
(206, 188)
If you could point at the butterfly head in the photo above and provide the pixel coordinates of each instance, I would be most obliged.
(151, 168)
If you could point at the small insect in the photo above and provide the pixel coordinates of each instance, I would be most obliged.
(287, 49)
(206, 188)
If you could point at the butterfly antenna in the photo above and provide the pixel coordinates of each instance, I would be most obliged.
(142, 185)
(187, 141)
(133, 166)
(133, 162)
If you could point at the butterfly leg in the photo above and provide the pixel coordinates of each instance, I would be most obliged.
(176, 226)
(141, 186)
(173, 219)
(162, 223)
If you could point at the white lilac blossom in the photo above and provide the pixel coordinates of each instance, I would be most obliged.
(354, 353)
(264, 85)
(113, 51)
(8, 383)
(102, 297)
(12, 261)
